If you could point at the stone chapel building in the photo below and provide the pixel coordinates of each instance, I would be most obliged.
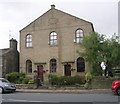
(49, 45)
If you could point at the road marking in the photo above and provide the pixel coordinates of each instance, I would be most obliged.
(17, 100)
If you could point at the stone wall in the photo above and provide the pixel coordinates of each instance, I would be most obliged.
(33, 86)
(25, 86)
(100, 82)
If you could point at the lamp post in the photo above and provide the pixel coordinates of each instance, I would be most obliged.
(117, 71)
(1, 65)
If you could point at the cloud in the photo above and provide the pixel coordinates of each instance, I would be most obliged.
(15, 15)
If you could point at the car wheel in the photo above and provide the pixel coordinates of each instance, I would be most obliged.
(13, 91)
(118, 91)
(1, 90)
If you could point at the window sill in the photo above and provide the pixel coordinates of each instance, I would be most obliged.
(53, 45)
(28, 47)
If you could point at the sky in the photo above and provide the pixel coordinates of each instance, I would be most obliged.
(16, 14)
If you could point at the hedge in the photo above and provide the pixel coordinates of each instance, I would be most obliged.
(66, 80)
(17, 78)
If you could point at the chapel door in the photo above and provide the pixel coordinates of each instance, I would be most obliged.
(67, 70)
(40, 72)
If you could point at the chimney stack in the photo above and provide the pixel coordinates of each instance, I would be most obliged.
(53, 6)
(13, 44)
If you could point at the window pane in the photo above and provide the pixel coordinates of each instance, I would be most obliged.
(81, 35)
(81, 31)
(78, 32)
(30, 39)
(30, 45)
(78, 40)
(51, 42)
(77, 35)
(55, 42)
(51, 37)
(81, 40)
(55, 37)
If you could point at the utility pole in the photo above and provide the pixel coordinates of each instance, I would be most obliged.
(0, 63)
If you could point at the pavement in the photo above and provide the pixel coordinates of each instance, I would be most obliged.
(80, 91)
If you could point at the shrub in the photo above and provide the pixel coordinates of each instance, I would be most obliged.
(12, 77)
(25, 80)
(86, 86)
(54, 79)
(88, 78)
(31, 82)
(65, 80)
(18, 78)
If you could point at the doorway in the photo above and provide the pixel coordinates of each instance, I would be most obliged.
(40, 72)
(67, 70)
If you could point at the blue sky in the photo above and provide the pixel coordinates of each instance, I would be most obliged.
(16, 14)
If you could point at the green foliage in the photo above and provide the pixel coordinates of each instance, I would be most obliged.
(91, 45)
(114, 53)
(92, 53)
(86, 86)
(88, 76)
(31, 82)
(12, 76)
(65, 80)
(98, 49)
(18, 78)
(25, 80)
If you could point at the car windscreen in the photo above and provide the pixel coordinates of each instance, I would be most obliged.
(4, 80)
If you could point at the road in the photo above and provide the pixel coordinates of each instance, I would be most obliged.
(50, 98)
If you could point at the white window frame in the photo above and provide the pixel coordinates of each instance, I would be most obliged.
(28, 40)
(79, 34)
(53, 38)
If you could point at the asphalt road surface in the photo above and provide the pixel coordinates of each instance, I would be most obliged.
(59, 98)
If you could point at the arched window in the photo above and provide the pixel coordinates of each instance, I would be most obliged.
(53, 65)
(29, 66)
(80, 64)
(29, 40)
(79, 36)
(53, 39)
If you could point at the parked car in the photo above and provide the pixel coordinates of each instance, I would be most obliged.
(116, 87)
(6, 86)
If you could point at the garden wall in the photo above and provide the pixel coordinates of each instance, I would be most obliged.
(100, 82)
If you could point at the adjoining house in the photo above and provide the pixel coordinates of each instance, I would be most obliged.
(9, 59)
(49, 45)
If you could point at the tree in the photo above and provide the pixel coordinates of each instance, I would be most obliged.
(112, 53)
(99, 49)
